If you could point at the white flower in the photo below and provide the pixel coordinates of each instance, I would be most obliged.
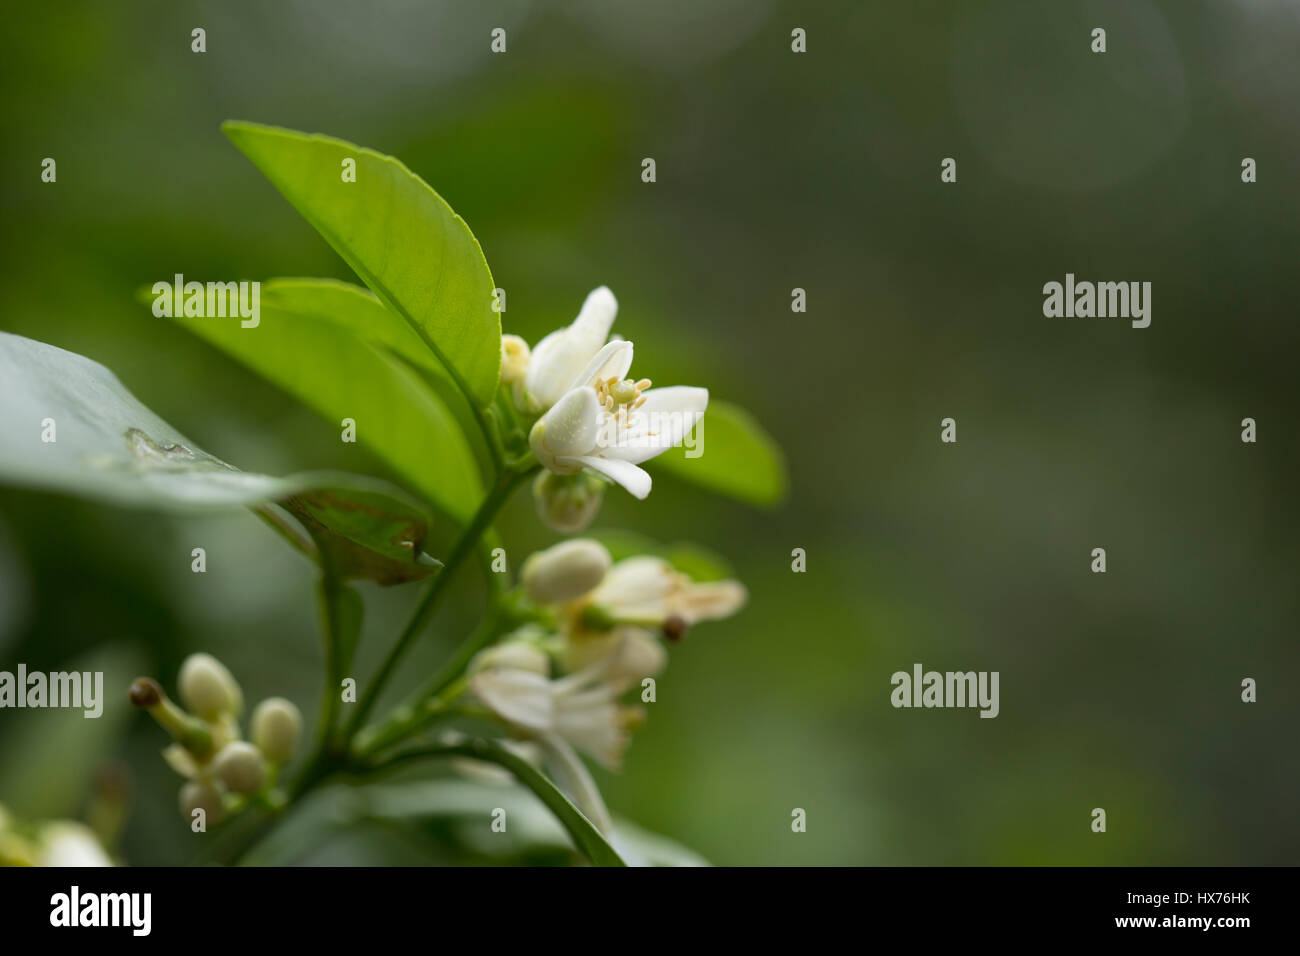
(561, 356)
(649, 589)
(581, 708)
(611, 424)
(639, 598)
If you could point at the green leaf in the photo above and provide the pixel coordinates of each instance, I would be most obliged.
(582, 831)
(305, 343)
(735, 457)
(359, 533)
(400, 237)
(108, 446)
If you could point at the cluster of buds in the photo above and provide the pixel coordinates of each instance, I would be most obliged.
(222, 770)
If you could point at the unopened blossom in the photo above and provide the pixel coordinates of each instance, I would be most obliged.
(275, 727)
(565, 571)
(208, 688)
(240, 767)
(515, 358)
(568, 503)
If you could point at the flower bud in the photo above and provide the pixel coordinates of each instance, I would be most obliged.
(567, 503)
(514, 359)
(637, 656)
(188, 731)
(202, 795)
(240, 767)
(512, 655)
(275, 728)
(565, 571)
(207, 687)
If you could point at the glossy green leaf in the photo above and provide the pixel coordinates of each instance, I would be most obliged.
(107, 446)
(400, 237)
(304, 342)
(735, 457)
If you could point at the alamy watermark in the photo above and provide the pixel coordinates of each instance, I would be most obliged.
(951, 689)
(56, 689)
(179, 298)
(1086, 300)
(653, 430)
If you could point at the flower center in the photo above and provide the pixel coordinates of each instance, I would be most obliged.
(619, 398)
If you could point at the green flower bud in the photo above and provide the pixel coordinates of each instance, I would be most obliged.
(275, 728)
(240, 766)
(187, 730)
(567, 503)
(565, 571)
(208, 688)
(202, 795)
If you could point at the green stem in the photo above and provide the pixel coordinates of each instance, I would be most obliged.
(408, 720)
(465, 546)
(585, 836)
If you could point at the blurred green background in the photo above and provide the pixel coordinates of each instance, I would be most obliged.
(775, 170)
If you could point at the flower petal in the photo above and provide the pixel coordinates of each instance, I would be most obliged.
(558, 358)
(710, 601)
(569, 429)
(595, 318)
(575, 780)
(611, 361)
(665, 418)
(521, 697)
(636, 582)
(632, 477)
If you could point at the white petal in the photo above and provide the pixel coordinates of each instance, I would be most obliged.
(590, 721)
(612, 361)
(596, 317)
(636, 582)
(574, 778)
(710, 601)
(521, 697)
(632, 477)
(665, 418)
(569, 429)
(559, 357)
